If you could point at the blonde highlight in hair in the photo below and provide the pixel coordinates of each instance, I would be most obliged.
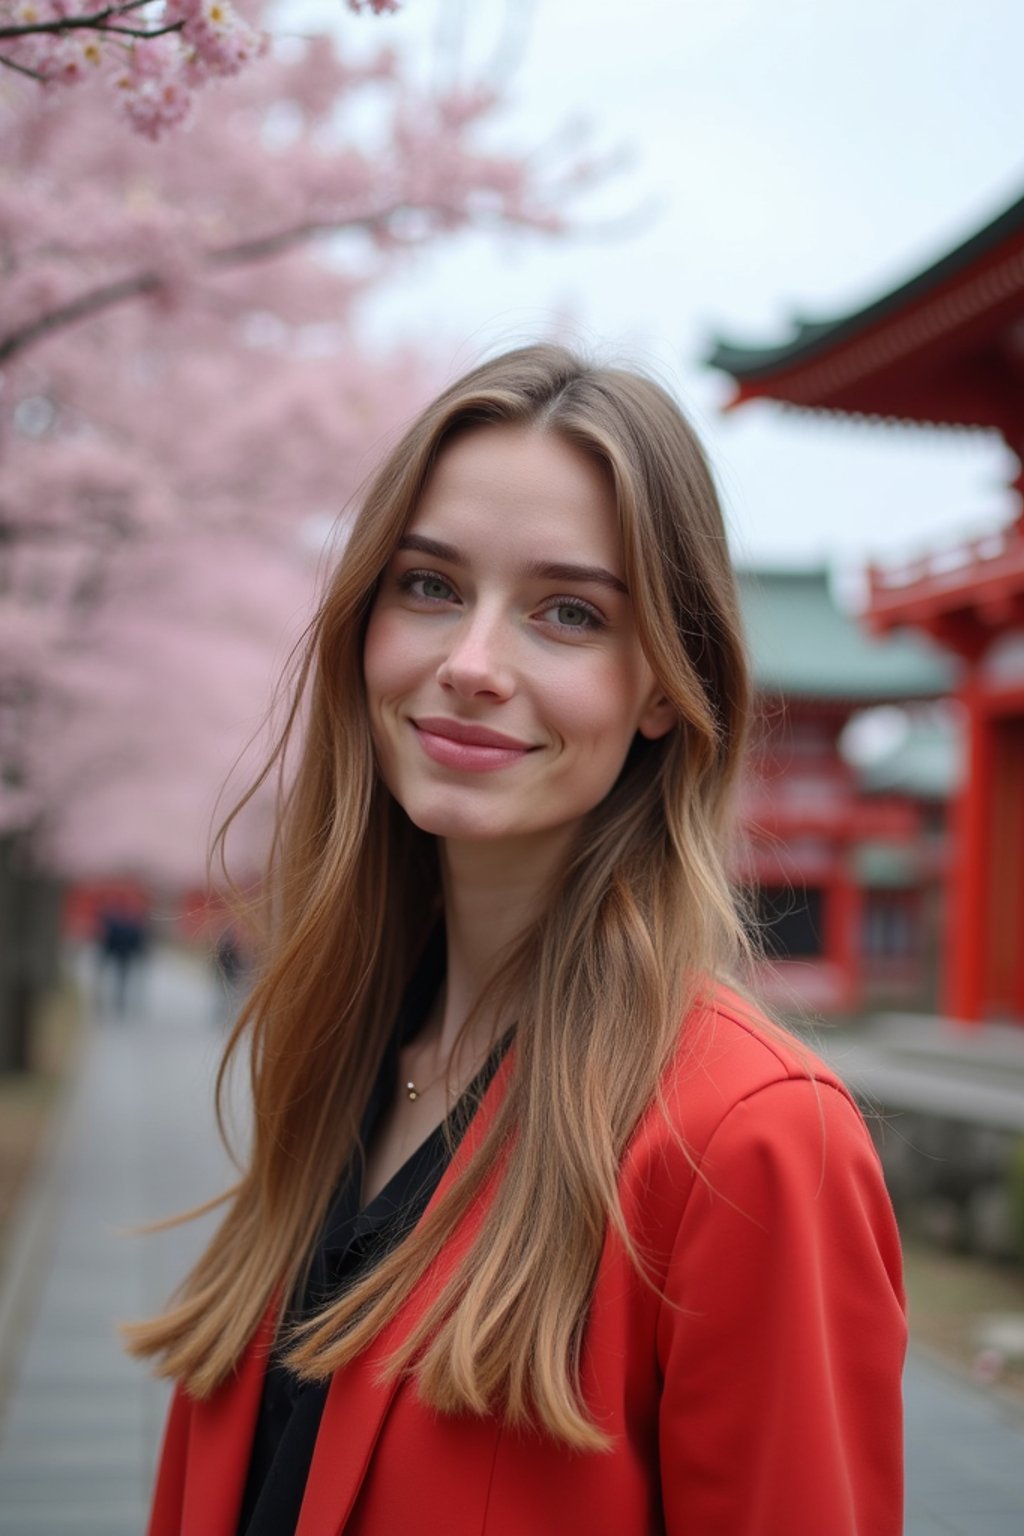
(641, 921)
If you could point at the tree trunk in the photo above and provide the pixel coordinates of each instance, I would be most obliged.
(29, 947)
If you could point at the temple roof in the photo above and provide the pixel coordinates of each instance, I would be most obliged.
(941, 347)
(803, 645)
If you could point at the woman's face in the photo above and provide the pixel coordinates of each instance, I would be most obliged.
(504, 675)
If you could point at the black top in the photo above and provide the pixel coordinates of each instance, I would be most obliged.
(351, 1242)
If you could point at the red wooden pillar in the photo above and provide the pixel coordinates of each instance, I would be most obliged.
(1005, 960)
(970, 883)
(843, 929)
(1018, 991)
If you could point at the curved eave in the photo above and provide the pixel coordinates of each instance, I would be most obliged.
(984, 271)
(749, 364)
(850, 416)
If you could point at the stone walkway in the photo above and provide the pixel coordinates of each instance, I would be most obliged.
(82, 1426)
(82, 1422)
(965, 1458)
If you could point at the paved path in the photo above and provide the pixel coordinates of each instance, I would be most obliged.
(83, 1422)
(965, 1458)
(81, 1430)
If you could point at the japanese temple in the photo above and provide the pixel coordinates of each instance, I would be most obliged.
(845, 873)
(946, 349)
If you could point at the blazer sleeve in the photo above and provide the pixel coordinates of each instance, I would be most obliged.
(781, 1333)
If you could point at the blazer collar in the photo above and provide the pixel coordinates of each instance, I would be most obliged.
(360, 1396)
(220, 1441)
(221, 1427)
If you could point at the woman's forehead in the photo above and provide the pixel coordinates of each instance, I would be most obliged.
(501, 485)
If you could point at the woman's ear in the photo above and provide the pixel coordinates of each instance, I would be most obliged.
(658, 718)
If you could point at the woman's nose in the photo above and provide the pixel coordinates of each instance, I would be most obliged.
(478, 658)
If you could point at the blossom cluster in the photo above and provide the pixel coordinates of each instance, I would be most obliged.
(152, 54)
(186, 401)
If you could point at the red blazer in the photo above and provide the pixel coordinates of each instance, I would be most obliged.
(754, 1390)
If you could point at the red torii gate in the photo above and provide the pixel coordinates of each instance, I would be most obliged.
(946, 349)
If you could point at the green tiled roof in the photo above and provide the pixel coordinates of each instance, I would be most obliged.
(803, 645)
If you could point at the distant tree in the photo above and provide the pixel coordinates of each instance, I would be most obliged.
(91, 218)
(185, 404)
(179, 353)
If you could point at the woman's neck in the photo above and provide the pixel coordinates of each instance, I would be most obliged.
(492, 893)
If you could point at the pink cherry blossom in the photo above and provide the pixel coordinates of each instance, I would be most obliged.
(172, 457)
(151, 54)
(90, 218)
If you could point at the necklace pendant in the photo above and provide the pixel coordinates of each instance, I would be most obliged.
(411, 1090)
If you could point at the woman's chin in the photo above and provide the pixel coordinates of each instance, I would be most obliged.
(459, 827)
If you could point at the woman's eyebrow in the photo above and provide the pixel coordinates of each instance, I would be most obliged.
(424, 546)
(558, 570)
(543, 570)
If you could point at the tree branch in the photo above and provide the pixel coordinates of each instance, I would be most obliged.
(260, 247)
(78, 309)
(174, 26)
(75, 23)
(241, 253)
(21, 69)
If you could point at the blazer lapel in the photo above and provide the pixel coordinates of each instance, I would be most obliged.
(358, 1400)
(220, 1441)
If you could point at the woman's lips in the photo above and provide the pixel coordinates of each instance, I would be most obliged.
(472, 748)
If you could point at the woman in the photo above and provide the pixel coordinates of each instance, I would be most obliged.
(544, 1229)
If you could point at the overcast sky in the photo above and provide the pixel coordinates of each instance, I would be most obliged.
(792, 156)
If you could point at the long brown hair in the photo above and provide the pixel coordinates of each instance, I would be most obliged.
(642, 918)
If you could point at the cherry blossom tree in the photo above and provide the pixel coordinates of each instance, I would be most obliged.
(91, 218)
(150, 56)
(159, 554)
(174, 350)
(184, 405)
(160, 664)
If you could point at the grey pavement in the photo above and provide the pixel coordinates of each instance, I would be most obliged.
(82, 1423)
(965, 1457)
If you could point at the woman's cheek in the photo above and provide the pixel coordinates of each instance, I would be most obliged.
(388, 654)
(590, 702)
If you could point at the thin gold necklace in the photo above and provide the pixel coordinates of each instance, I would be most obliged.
(412, 1092)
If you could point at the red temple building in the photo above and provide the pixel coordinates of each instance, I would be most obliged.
(946, 349)
(844, 873)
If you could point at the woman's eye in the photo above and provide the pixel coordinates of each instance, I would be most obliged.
(575, 615)
(429, 585)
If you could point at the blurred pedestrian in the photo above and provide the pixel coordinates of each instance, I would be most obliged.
(121, 944)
